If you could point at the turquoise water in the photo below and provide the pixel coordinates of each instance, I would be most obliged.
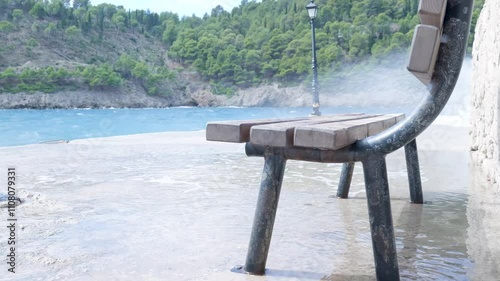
(21, 127)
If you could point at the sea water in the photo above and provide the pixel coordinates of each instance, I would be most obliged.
(21, 127)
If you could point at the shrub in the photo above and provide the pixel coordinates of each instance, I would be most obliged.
(73, 31)
(6, 27)
(37, 11)
(17, 14)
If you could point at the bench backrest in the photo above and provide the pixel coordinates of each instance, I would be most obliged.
(426, 39)
(440, 72)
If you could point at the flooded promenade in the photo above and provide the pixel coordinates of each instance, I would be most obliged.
(171, 206)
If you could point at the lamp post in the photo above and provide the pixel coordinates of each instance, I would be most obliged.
(312, 9)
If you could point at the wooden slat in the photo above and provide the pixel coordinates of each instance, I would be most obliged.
(334, 136)
(432, 12)
(238, 131)
(425, 48)
(281, 134)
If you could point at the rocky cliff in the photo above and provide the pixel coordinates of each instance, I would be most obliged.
(485, 130)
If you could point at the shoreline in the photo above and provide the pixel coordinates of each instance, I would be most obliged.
(434, 131)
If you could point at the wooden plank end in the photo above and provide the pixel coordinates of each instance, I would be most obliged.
(424, 52)
(223, 133)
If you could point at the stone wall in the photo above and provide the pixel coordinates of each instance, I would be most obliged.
(483, 205)
(485, 129)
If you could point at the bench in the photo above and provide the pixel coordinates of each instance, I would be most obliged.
(361, 138)
(310, 139)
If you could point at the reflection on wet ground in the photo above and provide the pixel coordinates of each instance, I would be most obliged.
(174, 207)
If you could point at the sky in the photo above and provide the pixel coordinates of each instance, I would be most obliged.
(181, 7)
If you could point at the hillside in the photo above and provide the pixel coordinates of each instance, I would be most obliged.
(159, 59)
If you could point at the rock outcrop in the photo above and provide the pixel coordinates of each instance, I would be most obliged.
(271, 95)
(130, 96)
(485, 130)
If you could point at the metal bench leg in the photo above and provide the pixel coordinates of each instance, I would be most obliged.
(345, 180)
(413, 168)
(379, 210)
(265, 213)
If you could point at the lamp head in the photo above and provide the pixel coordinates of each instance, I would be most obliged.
(312, 9)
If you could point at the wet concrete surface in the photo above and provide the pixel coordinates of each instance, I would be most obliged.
(172, 206)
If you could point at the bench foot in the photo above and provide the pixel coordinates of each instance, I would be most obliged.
(345, 180)
(240, 269)
(412, 165)
(379, 210)
(265, 212)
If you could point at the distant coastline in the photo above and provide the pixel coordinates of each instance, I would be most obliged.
(380, 85)
(135, 97)
(388, 87)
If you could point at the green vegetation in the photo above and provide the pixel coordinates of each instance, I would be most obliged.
(253, 44)
(152, 79)
(270, 41)
(52, 79)
(6, 27)
(102, 77)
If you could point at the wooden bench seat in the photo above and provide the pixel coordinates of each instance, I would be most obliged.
(325, 132)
